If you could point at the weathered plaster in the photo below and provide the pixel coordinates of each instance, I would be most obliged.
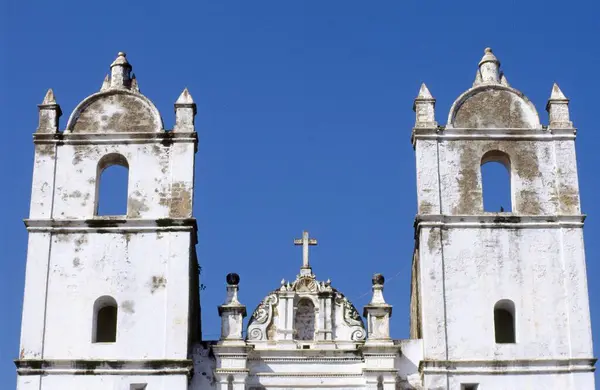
(143, 260)
(465, 261)
(468, 259)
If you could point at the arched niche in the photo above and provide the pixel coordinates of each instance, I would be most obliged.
(305, 320)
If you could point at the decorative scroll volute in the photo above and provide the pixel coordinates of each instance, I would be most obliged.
(262, 318)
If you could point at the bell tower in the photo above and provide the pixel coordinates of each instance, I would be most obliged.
(111, 301)
(499, 299)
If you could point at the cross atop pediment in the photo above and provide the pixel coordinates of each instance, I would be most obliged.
(305, 241)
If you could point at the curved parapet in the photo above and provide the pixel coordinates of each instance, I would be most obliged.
(491, 103)
(493, 106)
(114, 111)
(119, 107)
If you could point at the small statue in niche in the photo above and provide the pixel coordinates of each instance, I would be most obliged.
(304, 323)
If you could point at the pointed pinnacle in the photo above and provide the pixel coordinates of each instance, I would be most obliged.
(120, 60)
(477, 78)
(105, 83)
(49, 98)
(424, 92)
(504, 81)
(134, 84)
(488, 56)
(557, 94)
(185, 98)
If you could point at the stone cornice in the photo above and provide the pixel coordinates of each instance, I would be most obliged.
(308, 359)
(231, 370)
(380, 370)
(507, 367)
(111, 225)
(308, 374)
(165, 138)
(454, 134)
(313, 353)
(103, 367)
(499, 220)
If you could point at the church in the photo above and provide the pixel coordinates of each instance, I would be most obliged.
(499, 300)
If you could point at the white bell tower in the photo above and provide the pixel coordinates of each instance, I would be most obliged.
(111, 302)
(500, 299)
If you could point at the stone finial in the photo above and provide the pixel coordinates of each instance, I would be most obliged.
(477, 79)
(49, 113)
(233, 279)
(424, 107)
(378, 281)
(134, 84)
(232, 312)
(105, 84)
(489, 68)
(424, 92)
(558, 109)
(49, 98)
(120, 71)
(557, 94)
(378, 313)
(185, 111)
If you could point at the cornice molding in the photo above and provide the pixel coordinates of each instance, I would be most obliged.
(67, 138)
(307, 359)
(503, 367)
(499, 221)
(103, 367)
(455, 134)
(110, 225)
(308, 374)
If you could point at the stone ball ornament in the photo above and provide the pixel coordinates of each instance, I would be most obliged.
(233, 279)
(378, 279)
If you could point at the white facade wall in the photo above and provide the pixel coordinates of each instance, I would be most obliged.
(466, 261)
(147, 275)
(508, 381)
(477, 267)
(106, 382)
(469, 259)
(143, 260)
(153, 169)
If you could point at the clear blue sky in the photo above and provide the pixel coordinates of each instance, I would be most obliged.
(304, 119)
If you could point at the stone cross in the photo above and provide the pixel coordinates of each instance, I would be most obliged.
(305, 241)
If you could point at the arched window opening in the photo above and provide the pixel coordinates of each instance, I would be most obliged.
(380, 383)
(495, 182)
(504, 322)
(111, 185)
(304, 322)
(230, 382)
(105, 320)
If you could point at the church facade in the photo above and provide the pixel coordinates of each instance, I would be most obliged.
(499, 300)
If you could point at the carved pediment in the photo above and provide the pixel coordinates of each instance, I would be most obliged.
(335, 317)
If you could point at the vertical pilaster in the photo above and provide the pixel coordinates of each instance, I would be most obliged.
(285, 325)
(324, 332)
